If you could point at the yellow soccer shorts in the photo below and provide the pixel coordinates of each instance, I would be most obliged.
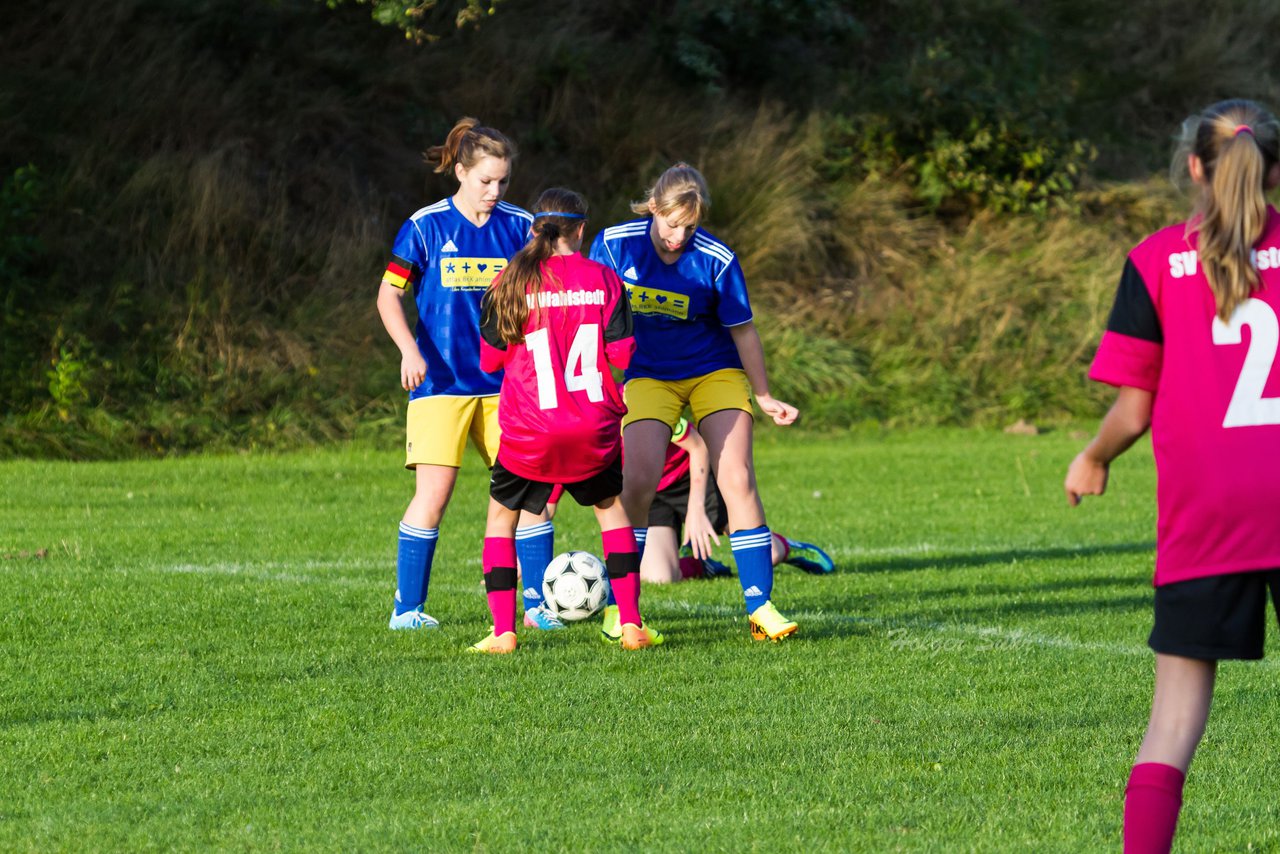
(437, 429)
(664, 400)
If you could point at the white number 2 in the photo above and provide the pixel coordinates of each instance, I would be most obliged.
(582, 373)
(1248, 408)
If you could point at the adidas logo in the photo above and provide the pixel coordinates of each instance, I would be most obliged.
(753, 591)
(448, 247)
(530, 593)
(631, 274)
(398, 599)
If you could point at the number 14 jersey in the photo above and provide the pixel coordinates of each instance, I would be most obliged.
(559, 409)
(1215, 425)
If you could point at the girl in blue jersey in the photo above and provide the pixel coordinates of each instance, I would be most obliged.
(446, 255)
(696, 346)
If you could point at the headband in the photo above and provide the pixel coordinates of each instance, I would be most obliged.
(1242, 129)
(560, 213)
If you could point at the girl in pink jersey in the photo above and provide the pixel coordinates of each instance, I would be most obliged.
(1174, 345)
(555, 322)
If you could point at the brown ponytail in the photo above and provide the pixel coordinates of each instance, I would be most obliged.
(467, 143)
(1237, 143)
(509, 294)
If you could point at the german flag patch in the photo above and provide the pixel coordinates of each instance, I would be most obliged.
(399, 272)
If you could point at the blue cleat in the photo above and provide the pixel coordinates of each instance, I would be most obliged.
(809, 557)
(712, 568)
(543, 618)
(415, 619)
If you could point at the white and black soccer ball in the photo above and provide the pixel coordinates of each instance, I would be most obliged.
(575, 585)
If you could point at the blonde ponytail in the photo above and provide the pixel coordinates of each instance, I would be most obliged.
(1237, 143)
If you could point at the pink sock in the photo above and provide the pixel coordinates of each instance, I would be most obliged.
(620, 549)
(499, 560)
(690, 567)
(1151, 803)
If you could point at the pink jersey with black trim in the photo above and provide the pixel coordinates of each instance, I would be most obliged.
(559, 409)
(1215, 426)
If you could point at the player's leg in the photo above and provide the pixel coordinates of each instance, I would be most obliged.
(435, 439)
(622, 561)
(535, 546)
(1197, 623)
(653, 408)
(661, 561)
(499, 561)
(728, 434)
(806, 556)
(1179, 711)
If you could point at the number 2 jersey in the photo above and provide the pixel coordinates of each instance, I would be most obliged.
(450, 262)
(560, 410)
(1215, 425)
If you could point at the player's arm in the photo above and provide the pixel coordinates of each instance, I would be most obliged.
(747, 340)
(413, 368)
(1128, 418)
(619, 343)
(493, 350)
(698, 531)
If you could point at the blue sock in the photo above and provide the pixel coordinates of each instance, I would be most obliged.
(640, 533)
(413, 565)
(753, 552)
(535, 546)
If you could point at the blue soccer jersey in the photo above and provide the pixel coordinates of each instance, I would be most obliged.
(450, 262)
(682, 311)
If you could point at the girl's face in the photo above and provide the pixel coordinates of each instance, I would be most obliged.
(671, 232)
(484, 184)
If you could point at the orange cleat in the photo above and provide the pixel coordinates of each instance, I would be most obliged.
(496, 644)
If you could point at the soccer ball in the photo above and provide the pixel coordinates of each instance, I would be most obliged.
(575, 586)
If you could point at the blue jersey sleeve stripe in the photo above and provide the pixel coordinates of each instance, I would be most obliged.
(430, 209)
(740, 323)
(512, 209)
(713, 247)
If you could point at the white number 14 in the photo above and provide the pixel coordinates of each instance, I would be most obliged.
(582, 371)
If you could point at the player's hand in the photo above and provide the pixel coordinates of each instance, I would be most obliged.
(413, 370)
(1085, 476)
(698, 532)
(781, 413)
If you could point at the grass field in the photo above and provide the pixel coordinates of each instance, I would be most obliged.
(200, 660)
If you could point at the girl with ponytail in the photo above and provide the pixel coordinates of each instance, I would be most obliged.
(1176, 347)
(554, 323)
(445, 255)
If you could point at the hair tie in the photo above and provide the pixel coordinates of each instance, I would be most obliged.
(559, 213)
(1242, 129)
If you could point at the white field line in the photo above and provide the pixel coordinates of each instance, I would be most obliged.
(904, 633)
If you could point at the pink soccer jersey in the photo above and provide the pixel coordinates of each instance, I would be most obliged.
(560, 410)
(1215, 426)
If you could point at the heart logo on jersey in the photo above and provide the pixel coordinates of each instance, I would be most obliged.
(661, 299)
(481, 267)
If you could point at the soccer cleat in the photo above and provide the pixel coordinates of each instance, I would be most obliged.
(768, 624)
(496, 644)
(809, 557)
(712, 568)
(415, 619)
(612, 631)
(542, 618)
(638, 637)
(611, 626)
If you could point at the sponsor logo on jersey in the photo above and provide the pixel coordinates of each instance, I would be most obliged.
(470, 274)
(645, 300)
(449, 246)
(563, 299)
